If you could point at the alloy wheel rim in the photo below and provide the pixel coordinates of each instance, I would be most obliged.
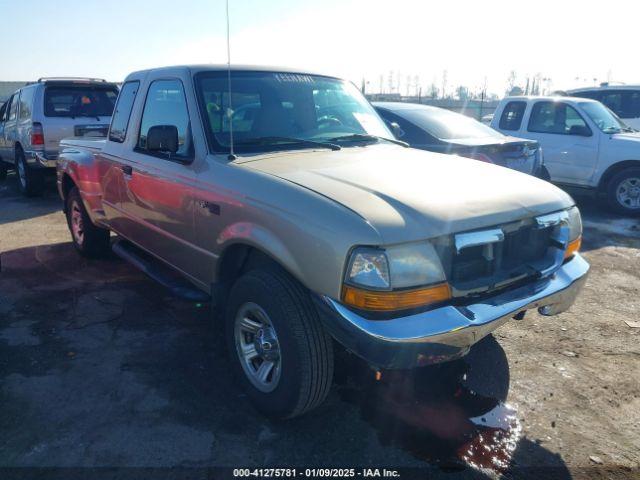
(77, 224)
(628, 193)
(257, 347)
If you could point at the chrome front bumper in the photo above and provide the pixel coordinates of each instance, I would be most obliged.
(448, 332)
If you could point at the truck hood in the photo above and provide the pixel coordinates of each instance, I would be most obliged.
(407, 194)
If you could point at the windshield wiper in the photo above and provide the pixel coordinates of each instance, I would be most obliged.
(265, 141)
(355, 137)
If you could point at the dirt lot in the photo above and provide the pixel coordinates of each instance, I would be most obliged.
(100, 367)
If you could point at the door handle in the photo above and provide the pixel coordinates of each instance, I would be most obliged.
(127, 169)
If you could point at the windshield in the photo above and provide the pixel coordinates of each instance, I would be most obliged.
(447, 125)
(79, 101)
(605, 119)
(284, 110)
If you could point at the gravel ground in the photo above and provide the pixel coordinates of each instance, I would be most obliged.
(99, 367)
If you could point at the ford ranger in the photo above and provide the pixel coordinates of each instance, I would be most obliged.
(283, 198)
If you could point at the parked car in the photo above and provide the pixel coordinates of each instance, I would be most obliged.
(38, 116)
(623, 100)
(440, 130)
(585, 145)
(304, 221)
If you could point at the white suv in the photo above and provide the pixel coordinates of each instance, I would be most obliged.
(39, 115)
(585, 145)
(623, 100)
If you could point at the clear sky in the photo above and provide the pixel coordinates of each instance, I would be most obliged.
(571, 42)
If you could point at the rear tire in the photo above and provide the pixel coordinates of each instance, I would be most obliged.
(89, 240)
(30, 180)
(283, 329)
(623, 191)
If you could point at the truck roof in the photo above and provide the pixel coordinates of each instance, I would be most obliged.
(223, 67)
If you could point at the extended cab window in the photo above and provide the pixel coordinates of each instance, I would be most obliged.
(512, 114)
(166, 106)
(558, 118)
(79, 100)
(122, 112)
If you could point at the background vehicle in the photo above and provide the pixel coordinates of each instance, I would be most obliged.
(623, 100)
(585, 145)
(314, 225)
(38, 116)
(440, 130)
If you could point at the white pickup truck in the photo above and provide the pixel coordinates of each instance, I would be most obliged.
(585, 145)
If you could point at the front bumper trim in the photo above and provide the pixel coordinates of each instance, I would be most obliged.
(448, 332)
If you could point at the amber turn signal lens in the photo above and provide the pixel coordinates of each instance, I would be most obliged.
(573, 248)
(388, 301)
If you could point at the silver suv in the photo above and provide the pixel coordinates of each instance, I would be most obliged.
(39, 115)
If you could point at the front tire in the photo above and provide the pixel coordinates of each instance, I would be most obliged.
(623, 191)
(280, 352)
(30, 180)
(3, 171)
(89, 240)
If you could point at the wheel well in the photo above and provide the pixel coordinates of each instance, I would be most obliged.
(234, 261)
(613, 169)
(67, 185)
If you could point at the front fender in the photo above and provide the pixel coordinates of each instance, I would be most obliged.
(262, 239)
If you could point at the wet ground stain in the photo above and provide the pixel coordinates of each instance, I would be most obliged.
(432, 414)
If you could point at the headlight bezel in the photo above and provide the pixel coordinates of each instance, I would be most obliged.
(408, 266)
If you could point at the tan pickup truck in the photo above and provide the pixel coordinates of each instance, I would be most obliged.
(285, 199)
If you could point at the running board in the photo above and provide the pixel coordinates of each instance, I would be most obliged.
(159, 272)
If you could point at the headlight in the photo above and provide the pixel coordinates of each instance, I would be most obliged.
(575, 232)
(395, 278)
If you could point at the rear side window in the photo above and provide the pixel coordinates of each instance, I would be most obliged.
(3, 109)
(555, 117)
(13, 108)
(166, 105)
(26, 103)
(624, 103)
(79, 100)
(122, 112)
(512, 114)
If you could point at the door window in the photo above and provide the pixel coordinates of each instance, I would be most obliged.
(557, 118)
(3, 109)
(122, 112)
(512, 114)
(166, 106)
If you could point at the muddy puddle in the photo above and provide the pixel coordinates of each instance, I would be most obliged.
(432, 414)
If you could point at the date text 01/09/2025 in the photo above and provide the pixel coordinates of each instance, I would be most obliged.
(316, 472)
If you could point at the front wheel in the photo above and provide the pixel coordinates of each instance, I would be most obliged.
(623, 191)
(89, 240)
(279, 350)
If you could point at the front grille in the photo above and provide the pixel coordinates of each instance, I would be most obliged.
(524, 250)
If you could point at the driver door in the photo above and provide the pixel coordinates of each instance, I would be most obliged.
(570, 146)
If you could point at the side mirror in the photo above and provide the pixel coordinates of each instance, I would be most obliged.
(396, 130)
(580, 130)
(162, 138)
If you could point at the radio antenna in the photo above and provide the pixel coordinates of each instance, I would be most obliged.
(232, 155)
